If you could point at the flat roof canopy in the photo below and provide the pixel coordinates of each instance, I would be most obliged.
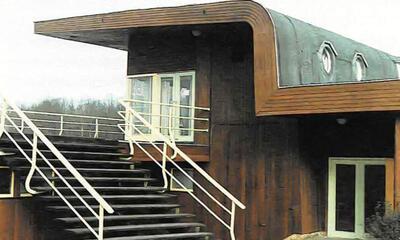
(285, 55)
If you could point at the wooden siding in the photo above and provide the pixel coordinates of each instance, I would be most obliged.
(250, 157)
(17, 221)
(198, 153)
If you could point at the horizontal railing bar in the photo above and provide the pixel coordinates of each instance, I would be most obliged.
(166, 104)
(167, 116)
(72, 123)
(183, 129)
(70, 115)
(72, 130)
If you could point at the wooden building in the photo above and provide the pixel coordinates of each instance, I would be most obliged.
(302, 125)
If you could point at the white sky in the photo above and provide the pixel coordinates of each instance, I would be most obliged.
(34, 67)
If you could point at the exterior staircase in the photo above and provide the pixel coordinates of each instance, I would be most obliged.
(142, 210)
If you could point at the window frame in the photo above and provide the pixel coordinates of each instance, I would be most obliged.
(330, 49)
(361, 58)
(398, 68)
(12, 184)
(156, 98)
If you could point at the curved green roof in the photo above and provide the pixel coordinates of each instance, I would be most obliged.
(298, 49)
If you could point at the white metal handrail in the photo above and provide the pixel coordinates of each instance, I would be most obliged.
(39, 136)
(130, 114)
(96, 125)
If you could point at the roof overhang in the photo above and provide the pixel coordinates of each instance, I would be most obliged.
(113, 30)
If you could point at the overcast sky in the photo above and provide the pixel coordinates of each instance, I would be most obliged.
(34, 67)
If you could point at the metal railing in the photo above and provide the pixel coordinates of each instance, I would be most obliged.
(168, 119)
(39, 137)
(70, 124)
(131, 130)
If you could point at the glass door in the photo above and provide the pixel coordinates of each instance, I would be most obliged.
(356, 187)
(156, 96)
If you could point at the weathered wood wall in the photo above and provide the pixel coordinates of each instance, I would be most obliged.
(17, 221)
(258, 160)
(276, 166)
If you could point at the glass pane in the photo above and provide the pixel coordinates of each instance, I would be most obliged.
(167, 87)
(345, 197)
(141, 90)
(186, 93)
(183, 179)
(5, 180)
(374, 189)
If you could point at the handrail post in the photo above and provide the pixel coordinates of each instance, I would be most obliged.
(4, 109)
(96, 134)
(33, 166)
(164, 166)
(171, 132)
(61, 125)
(101, 222)
(232, 225)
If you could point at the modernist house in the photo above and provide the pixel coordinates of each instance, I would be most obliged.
(238, 123)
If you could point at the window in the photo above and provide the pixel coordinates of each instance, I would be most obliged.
(6, 182)
(398, 69)
(327, 55)
(158, 96)
(327, 60)
(183, 179)
(359, 67)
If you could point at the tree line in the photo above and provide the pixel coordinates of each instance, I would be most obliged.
(90, 107)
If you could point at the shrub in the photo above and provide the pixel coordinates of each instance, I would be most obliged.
(384, 224)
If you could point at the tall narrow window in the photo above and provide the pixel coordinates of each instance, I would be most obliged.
(326, 58)
(398, 69)
(359, 67)
(142, 92)
(327, 54)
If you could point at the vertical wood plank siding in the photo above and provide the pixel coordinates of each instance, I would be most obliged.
(258, 160)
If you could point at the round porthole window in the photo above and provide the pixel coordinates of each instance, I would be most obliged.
(327, 59)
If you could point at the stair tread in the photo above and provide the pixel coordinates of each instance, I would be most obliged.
(112, 179)
(86, 161)
(163, 236)
(129, 217)
(112, 189)
(138, 227)
(88, 169)
(66, 152)
(144, 196)
(66, 143)
(120, 206)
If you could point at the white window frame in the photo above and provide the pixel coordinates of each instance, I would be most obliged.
(11, 194)
(398, 69)
(359, 224)
(175, 187)
(328, 47)
(359, 57)
(156, 98)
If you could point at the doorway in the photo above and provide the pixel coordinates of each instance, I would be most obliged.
(356, 188)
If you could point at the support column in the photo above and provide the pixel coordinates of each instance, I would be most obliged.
(397, 166)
